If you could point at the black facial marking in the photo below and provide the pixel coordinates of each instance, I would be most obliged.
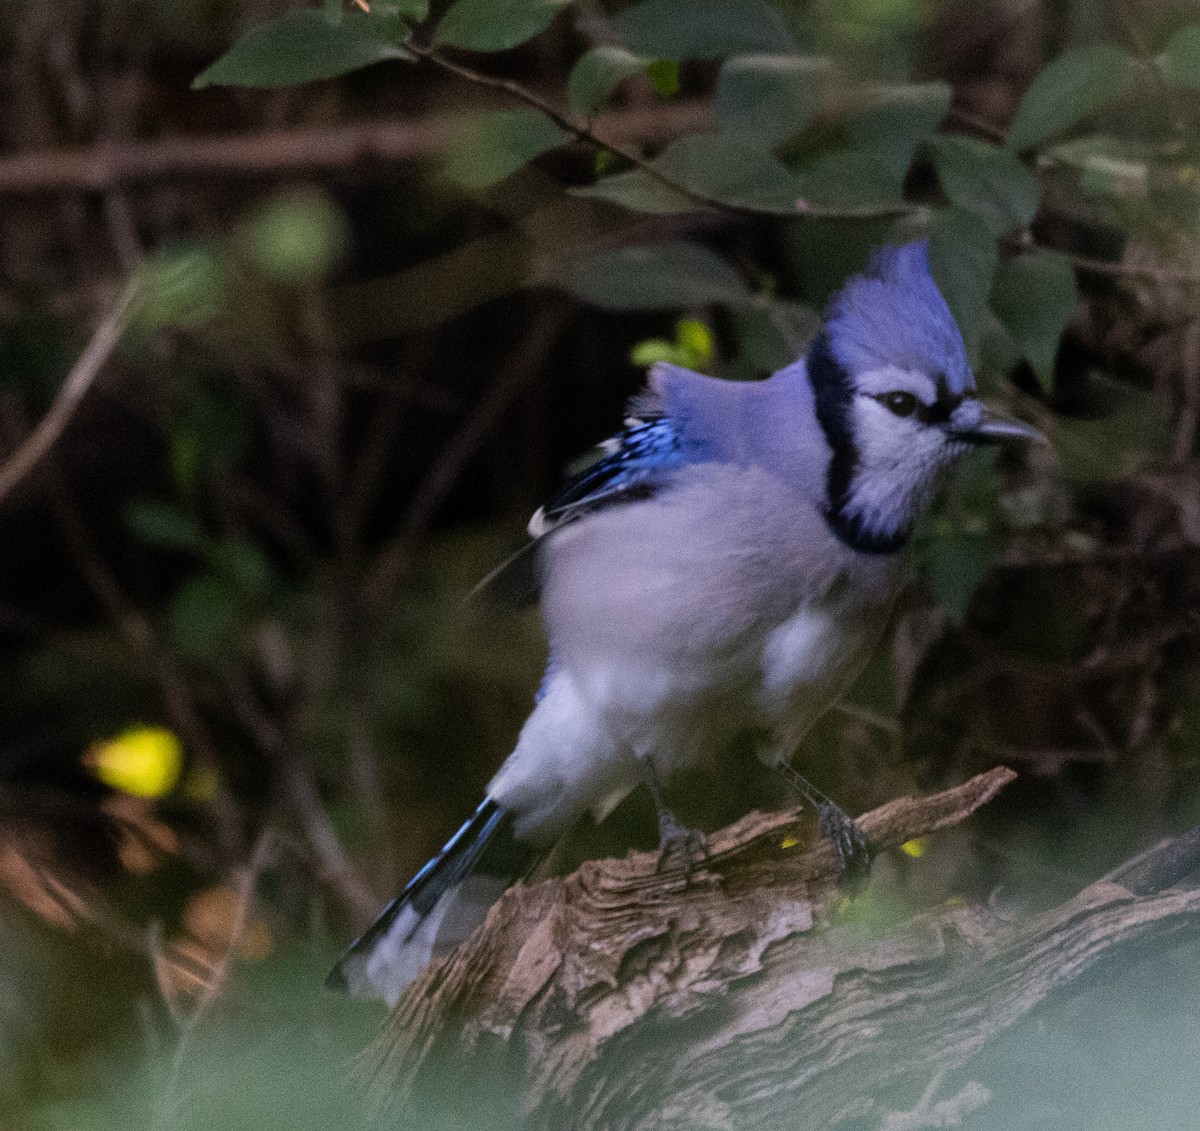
(833, 394)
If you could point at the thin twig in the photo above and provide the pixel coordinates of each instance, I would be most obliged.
(81, 378)
(522, 368)
(244, 892)
(305, 799)
(585, 132)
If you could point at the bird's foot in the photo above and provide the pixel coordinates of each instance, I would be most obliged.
(675, 837)
(850, 846)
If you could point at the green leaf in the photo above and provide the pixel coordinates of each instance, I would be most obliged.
(295, 238)
(203, 614)
(692, 348)
(712, 165)
(1180, 59)
(703, 29)
(1068, 90)
(986, 180)
(1034, 298)
(658, 276)
(893, 120)
(772, 334)
(664, 77)
(953, 563)
(962, 258)
(769, 98)
(162, 525)
(300, 47)
(182, 286)
(636, 190)
(496, 144)
(731, 171)
(1129, 432)
(243, 565)
(495, 25)
(847, 179)
(597, 73)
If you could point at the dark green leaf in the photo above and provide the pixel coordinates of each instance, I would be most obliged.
(731, 171)
(496, 144)
(637, 190)
(1069, 89)
(769, 98)
(243, 565)
(182, 286)
(986, 180)
(1181, 58)
(203, 615)
(712, 165)
(1130, 432)
(962, 257)
(300, 47)
(496, 25)
(596, 74)
(847, 179)
(771, 334)
(953, 563)
(703, 29)
(654, 277)
(1034, 297)
(894, 120)
(664, 77)
(162, 525)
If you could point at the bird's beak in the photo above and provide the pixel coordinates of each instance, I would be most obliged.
(992, 427)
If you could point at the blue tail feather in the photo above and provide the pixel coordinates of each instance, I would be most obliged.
(483, 844)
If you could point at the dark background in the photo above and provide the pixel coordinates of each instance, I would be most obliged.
(348, 386)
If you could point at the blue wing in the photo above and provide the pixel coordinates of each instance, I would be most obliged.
(630, 466)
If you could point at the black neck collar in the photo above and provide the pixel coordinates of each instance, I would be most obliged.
(832, 397)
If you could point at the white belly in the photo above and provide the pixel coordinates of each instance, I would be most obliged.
(677, 622)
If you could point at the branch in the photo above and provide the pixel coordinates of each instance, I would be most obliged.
(358, 145)
(617, 998)
(601, 139)
(81, 378)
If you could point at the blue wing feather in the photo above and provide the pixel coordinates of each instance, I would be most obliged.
(631, 466)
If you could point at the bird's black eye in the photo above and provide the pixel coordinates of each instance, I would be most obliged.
(902, 404)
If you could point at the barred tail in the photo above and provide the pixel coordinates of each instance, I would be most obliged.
(441, 905)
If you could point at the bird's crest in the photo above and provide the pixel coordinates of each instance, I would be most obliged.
(894, 314)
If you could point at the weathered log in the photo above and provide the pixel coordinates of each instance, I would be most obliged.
(619, 997)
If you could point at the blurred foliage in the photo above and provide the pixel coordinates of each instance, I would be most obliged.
(232, 600)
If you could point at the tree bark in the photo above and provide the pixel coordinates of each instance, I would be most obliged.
(621, 997)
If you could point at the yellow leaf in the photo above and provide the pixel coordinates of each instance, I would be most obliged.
(695, 339)
(915, 848)
(145, 761)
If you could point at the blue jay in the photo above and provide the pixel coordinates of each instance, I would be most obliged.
(726, 565)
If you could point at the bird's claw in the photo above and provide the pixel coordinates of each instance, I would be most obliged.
(676, 837)
(850, 845)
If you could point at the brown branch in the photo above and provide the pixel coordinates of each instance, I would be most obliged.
(81, 378)
(617, 998)
(358, 145)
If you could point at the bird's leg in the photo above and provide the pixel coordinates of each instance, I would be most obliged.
(673, 834)
(849, 844)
